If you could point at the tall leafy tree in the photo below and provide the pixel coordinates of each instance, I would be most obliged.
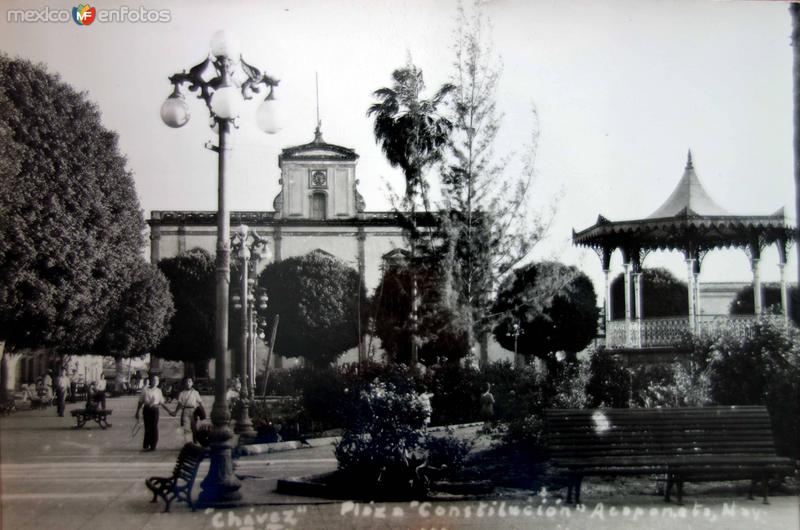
(140, 319)
(317, 298)
(554, 305)
(440, 333)
(663, 295)
(744, 303)
(412, 134)
(70, 221)
(191, 334)
(492, 226)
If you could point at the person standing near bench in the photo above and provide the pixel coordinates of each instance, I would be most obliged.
(61, 384)
(151, 400)
(95, 399)
(100, 391)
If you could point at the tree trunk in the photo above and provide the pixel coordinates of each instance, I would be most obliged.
(8, 373)
(188, 369)
(119, 372)
(201, 368)
(155, 365)
(484, 345)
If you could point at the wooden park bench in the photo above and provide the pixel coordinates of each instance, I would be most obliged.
(179, 485)
(83, 415)
(682, 444)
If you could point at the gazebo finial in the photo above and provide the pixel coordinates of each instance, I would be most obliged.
(689, 160)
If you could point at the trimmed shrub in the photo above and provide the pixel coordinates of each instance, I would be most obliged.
(385, 442)
(447, 453)
(762, 369)
(609, 383)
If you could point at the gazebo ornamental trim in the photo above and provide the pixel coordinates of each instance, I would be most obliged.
(691, 222)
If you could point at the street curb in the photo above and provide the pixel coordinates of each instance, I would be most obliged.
(442, 428)
(316, 486)
(277, 447)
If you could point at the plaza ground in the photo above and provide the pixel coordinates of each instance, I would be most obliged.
(54, 476)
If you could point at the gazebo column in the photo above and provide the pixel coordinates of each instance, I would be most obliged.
(756, 286)
(784, 293)
(607, 273)
(636, 261)
(696, 280)
(690, 278)
(627, 278)
(627, 285)
(755, 258)
(606, 258)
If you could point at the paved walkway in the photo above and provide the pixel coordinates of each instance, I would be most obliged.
(55, 477)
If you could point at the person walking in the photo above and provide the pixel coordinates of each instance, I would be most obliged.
(151, 400)
(61, 384)
(100, 391)
(47, 387)
(188, 401)
(487, 404)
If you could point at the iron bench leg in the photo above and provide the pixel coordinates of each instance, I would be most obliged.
(764, 479)
(668, 487)
(574, 489)
(679, 487)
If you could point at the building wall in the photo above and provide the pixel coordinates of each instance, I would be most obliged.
(716, 297)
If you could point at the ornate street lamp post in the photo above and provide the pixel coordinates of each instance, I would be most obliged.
(223, 80)
(515, 331)
(250, 249)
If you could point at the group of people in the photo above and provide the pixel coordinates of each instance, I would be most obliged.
(151, 401)
(62, 386)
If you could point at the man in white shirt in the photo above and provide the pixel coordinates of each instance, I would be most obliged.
(151, 399)
(99, 396)
(62, 385)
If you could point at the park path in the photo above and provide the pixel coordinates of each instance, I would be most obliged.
(56, 477)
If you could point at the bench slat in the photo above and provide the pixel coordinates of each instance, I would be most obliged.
(684, 443)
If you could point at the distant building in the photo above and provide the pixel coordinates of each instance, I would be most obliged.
(318, 207)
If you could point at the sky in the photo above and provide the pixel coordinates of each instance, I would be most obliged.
(622, 90)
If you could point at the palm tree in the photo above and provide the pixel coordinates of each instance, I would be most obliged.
(411, 134)
(409, 129)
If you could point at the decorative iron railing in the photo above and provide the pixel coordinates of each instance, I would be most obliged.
(672, 331)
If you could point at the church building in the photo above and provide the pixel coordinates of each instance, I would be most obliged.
(318, 208)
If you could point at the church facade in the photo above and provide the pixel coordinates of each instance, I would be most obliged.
(318, 208)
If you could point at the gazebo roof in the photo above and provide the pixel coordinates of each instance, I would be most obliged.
(689, 220)
(688, 196)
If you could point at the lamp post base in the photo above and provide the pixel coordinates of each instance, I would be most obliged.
(220, 487)
(244, 425)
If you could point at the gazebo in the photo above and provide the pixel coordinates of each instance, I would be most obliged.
(691, 222)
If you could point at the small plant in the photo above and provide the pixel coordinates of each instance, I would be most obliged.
(447, 453)
(609, 383)
(528, 431)
(386, 450)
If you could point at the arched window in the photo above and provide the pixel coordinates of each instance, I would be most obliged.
(319, 206)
